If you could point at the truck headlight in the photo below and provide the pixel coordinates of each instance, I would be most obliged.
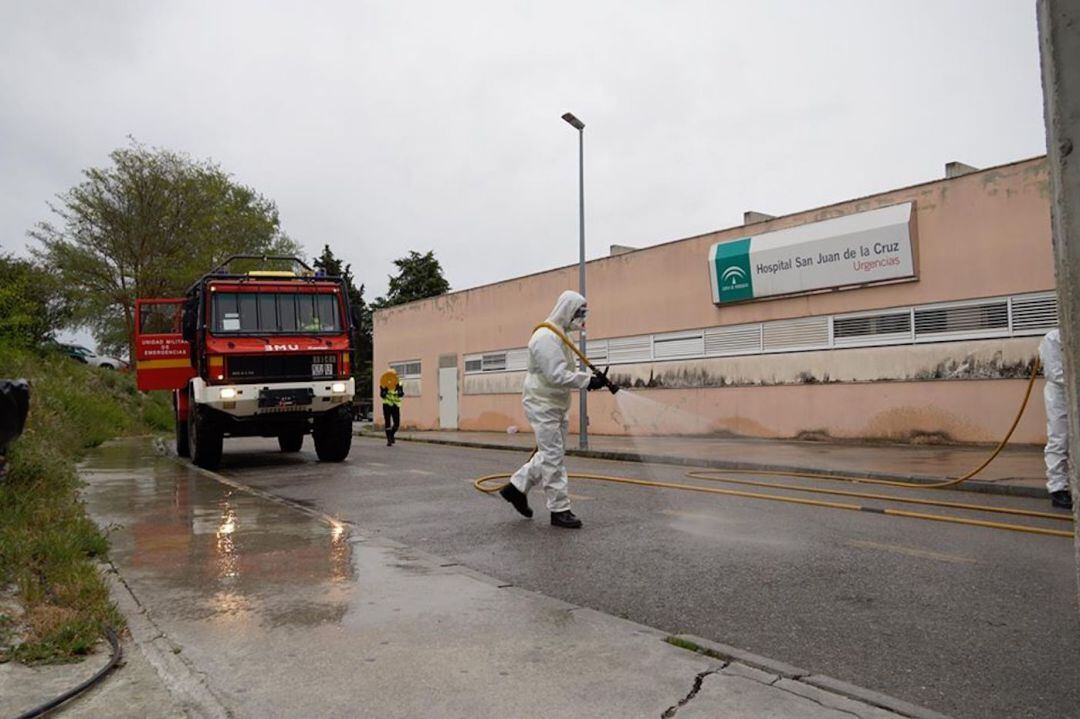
(337, 387)
(228, 393)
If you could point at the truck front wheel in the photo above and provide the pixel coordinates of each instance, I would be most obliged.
(205, 439)
(333, 437)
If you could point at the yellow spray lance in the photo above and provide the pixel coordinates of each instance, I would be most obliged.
(569, 343)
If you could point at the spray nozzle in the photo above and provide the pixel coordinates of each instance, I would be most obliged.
(611, 386)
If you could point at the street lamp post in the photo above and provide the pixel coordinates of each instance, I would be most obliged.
(583, 432)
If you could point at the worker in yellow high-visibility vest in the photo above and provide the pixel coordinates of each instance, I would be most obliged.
(391, 391)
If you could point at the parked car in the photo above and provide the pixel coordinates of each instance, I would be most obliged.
(363, 410)
(87, 356)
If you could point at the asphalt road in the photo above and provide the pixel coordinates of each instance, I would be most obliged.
(968, 621)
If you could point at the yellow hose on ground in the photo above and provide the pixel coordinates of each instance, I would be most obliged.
(482, 483)
(707, 475)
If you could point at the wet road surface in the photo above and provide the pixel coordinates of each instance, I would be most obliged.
(968, 621)
(267, 611)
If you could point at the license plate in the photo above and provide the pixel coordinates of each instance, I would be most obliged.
(323, 366)
(285, 398)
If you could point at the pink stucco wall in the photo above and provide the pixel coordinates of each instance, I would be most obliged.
(969, 411)
(983, 234)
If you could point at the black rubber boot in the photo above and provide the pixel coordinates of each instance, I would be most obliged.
(1061, 498)
(565, 519)
(516, 497)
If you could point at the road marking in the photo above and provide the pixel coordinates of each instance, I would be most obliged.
(913, 552)
(422, 472)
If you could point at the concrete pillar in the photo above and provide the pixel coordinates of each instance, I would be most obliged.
(956, 169)
(1059, 48)
(750, 217)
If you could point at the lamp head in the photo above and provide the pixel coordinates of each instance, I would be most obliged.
(574, 122)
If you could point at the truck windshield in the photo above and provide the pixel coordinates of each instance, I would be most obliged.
(275, 313)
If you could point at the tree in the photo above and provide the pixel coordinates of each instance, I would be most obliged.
(31, 306)
(362, 357)
(148, 226)
(332, 266)
(418, 276)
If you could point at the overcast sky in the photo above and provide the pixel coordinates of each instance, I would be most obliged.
(380, 127)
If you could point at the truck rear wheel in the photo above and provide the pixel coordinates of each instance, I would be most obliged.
(290, 441)
(333, 437)
(205, 440)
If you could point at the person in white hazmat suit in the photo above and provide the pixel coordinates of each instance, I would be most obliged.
(552, 377)
(1056, 452)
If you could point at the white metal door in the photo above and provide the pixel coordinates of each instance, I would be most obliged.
(448, 397)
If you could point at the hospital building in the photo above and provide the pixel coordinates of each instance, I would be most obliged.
(912, 315)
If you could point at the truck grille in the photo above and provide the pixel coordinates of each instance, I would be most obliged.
(282, 367)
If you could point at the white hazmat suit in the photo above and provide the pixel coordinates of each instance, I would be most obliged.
(546, 398)
(1056, 453)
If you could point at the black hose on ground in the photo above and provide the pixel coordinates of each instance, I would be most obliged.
(117, 654)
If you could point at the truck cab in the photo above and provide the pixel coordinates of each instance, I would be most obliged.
(261, 353)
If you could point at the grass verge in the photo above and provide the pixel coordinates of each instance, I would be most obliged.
(56, 601)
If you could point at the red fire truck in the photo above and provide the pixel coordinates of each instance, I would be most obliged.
(261, 353)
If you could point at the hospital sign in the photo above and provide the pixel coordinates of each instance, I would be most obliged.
(842, 252)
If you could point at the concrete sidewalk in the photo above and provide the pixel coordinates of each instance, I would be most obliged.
(252, 606)
(1016, 471)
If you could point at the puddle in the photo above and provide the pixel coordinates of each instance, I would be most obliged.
(279, 613)
(219, 553)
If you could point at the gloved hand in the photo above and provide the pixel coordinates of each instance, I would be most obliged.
(600, 379)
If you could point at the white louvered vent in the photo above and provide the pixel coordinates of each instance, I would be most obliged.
(494, 362)
(630, 349)
(1030, 314)
(517, 360)
(734, 340)
(406, 370)
(883, 328)
(678, 344)
(1034, 314)
(597, 350)
(962, 320)
(797, 334)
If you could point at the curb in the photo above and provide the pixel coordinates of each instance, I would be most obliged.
(972, 485)
(727, 653)
(183, 683)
